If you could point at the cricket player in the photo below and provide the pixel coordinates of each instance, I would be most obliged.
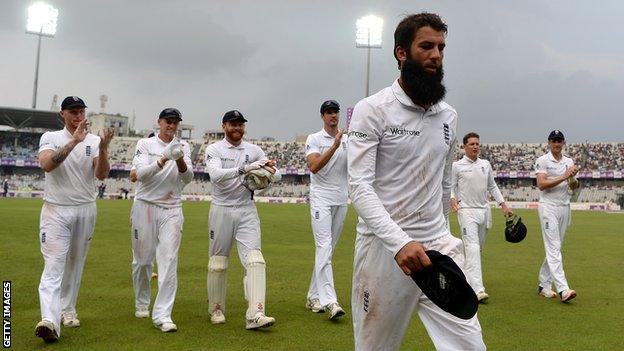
(163, 167)
(555, 175)
(400, 152)
(326, 155)
(233, 217)
(72, 159)
(472, 178)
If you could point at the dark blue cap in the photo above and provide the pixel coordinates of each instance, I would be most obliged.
(232, 116)
(330, 104)
(72, 102)
(556, 135)
(170, 112)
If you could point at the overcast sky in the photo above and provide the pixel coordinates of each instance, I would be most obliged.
(514, 69)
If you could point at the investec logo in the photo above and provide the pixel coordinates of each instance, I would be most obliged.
(403, 131)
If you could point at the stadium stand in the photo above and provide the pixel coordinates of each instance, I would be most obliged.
(602, 167)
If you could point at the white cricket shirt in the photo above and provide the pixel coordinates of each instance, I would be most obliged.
(399, 165)
(223, 161)
(329, 185)
(471, 181)
(73, 181)
(160, 186)
(547, 164)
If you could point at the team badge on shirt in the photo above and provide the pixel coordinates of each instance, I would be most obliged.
(483, 169)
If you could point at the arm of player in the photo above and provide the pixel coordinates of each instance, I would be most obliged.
(365, 130)
(144, 170)
(316, 160)
(543, 182)
(50, 157)
(101, 163)
(496, 193)
(446, 177)
(454, 188)
(215, 170)
(185, 165)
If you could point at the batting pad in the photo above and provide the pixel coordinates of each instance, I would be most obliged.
(217, 270)
(256, 283)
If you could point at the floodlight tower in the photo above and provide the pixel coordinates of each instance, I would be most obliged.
(368, 36)
(42, 23)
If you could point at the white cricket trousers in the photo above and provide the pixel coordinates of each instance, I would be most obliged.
(474, 223)
(554, 221)
(156, 231)
(229, 223)
(240, 223)
(327, 223)
(384, 298)
(65, 234)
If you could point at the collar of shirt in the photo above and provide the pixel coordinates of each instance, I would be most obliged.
(230, 146)
(552, 158)
(67, 133)
(406, 101)
(160, 141)
(325, 134)
(467, 159)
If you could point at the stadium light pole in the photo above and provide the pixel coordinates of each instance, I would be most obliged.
(368, 35)
(42, 23)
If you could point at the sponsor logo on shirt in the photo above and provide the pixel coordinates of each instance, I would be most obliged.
(88, 150)
(344, 145)
(212, 234)
(246, 158)
(483, 169)
(136, 234)
(317, 215)
(43, 237)
(402, 131)
(225, 159)
(366, 300)
(447, 133)
(357, 134)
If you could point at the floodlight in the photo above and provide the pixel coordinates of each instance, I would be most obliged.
(42, 19)
(368, 33)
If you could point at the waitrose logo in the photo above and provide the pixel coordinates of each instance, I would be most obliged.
(403, 131)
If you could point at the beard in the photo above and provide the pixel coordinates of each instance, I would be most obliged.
(234, 136)
(424, 88)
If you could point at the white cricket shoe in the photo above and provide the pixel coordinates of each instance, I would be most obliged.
(314, 305)
(217, 317)
(141, 312)
(482, 296)
(167, 327)
(70, 320)
(260, 321)
(154, 275)
(46, 331)
(547, 293)
(335, 311)
(567, 295)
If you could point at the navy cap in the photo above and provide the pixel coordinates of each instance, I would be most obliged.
(72, 102)
(445, 285)
(556, 134)
(330, 104)
(170, 112)
(232, 116)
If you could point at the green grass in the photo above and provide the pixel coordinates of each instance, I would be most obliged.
(515, 318)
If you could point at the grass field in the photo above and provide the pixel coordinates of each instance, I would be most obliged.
(515, 318)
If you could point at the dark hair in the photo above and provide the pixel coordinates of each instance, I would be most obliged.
(470, 135)
(406, 30)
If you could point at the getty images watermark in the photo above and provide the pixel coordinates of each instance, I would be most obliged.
(6, 314)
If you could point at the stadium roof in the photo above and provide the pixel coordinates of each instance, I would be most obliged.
(20, 118)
